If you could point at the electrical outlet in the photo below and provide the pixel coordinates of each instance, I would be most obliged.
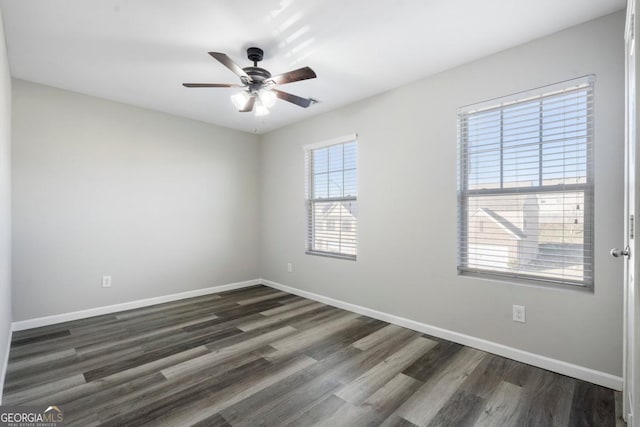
(518, 313)
(290, 267)
(106, 281)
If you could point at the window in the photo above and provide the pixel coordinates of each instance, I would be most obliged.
(331, 193)
(525, 189)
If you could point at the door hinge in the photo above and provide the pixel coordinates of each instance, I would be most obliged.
(631, 227)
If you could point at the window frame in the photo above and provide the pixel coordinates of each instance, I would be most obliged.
(310, 200)
(587, 188)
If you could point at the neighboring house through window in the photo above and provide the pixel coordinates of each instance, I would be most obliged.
(331, 197)
(525, 193)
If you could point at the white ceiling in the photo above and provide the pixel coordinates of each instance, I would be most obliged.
(140, 51)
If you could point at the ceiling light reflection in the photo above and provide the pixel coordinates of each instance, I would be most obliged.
(297, 34)
(283, 5)
(289, 22)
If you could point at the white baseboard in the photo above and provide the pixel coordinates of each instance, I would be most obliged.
(97, 311)
(554, 365)
(559, 366)
(5, 363)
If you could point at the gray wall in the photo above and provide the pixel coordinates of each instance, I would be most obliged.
(5, 204)
(407, 204)
(161, 203)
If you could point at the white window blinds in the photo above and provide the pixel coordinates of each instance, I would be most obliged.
(331, 198)
(525, 189)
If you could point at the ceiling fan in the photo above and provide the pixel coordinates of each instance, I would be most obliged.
(258, 84)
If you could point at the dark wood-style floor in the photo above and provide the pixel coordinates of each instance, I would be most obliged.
(257, 356)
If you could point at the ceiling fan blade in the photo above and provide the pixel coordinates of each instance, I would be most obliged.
(294, 99)
(294, 76)
(228, 62)
(210, 85)
(249, 105)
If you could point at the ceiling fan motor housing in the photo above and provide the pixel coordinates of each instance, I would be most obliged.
(258, 74)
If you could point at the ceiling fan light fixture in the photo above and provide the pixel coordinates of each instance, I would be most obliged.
(267, 98)
(240, 99)
(258, 94)
(261, 109)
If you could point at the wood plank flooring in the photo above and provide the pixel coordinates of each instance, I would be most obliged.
(260, 357)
